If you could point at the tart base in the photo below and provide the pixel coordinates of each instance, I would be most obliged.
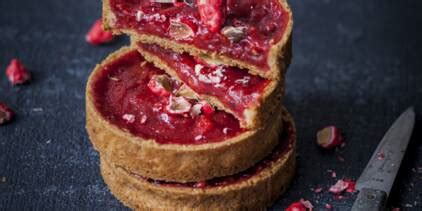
(254, 193)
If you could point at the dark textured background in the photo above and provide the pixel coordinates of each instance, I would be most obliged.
(357, 64)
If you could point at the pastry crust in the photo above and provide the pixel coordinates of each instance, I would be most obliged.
(279, 55)
(172, 162)
(254, 193)
(253, 117)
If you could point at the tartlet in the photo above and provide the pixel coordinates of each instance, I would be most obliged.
(250, 98)
(254, 35)
(127, 127)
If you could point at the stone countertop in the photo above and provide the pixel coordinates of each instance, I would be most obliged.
(357, 65)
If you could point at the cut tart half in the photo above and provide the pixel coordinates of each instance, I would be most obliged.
(250, 98)
(252, 34)
(136, 120)
(253, 189)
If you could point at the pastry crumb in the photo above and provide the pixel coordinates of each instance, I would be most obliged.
(37, 109)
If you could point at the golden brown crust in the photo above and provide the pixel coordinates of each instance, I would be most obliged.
(253, 117)
(170, 162)
(279, 55)
(255, 193)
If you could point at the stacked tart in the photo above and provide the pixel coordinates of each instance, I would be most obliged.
(190, 116)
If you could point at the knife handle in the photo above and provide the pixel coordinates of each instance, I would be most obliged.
(370, 200)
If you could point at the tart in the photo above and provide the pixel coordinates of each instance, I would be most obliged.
(248, 97)
(252, 34)
(253, 189)
(137, 120)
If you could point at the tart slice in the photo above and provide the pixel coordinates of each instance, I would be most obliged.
(137, 120)
(252, 34)
(250, 98)
(253, 189)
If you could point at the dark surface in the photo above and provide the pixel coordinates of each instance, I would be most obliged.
(357, 64)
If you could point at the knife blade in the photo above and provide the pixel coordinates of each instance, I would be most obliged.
(377, 179)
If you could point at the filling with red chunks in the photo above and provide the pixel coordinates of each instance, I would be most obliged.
(287, 139)
(236, 89)
(142, 99)
(240, 29)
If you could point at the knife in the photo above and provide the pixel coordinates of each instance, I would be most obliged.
(376, 181)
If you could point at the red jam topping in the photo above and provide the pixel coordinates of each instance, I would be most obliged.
(240, 29)
(285, 144)
(235, 88)
(138, 97)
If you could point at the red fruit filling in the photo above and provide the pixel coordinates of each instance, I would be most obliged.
(235, 88)
(212, 13)
(97, 35)
(343, 185)
(351, 187)
(142, 99)
(296, 206)
(160, 85)
(329, 137)
(181, 28)
(6, 114)
(318, 190)
(328, 206)
(17, 73)
(285, 144)
(307, 204)
(301, 205)
(243, 30)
